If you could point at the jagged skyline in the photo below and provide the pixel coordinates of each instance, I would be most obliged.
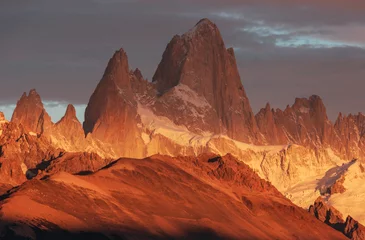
(196, 106)
(284, 49)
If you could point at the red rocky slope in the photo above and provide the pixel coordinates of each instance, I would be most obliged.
(208, 197)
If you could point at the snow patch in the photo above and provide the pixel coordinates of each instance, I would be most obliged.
(195, 30)
(351, 202)
(304, 110)
(183, 137)
(188, 95)
(146, 138)
(33, 134)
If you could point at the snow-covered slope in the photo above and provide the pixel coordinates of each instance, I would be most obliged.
(289, 167)
(351, 202)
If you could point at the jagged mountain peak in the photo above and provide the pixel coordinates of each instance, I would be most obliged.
(117, 71)
(200, 61)
(268, 107)
(32, 97)
(205, 22)
(138, 74)
(70, 111)
(313, 101)
(70, 114)
(30, 113)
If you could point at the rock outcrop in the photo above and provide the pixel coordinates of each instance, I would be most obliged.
(353, 229)
(329, 215)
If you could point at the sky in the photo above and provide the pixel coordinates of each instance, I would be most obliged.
(284, 48)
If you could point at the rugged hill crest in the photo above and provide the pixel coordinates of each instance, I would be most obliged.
(205, 197)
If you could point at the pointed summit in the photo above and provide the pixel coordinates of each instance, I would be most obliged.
(30, 113)
(70, 111)
(117, 70)
(204, 28)
(268, 107)
(113, 90)
(138, 74)
(204, 22)
(111, 114)
(69, 127)
(70, 114)
(200, 61)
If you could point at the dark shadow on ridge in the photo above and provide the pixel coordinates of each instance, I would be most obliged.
(22, 231)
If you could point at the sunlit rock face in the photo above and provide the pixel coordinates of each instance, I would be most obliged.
(198, 63)
(351, 130)
(304, 123)
(30, 113)
(111, 115)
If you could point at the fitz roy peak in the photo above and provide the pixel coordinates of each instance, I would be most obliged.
(198, 61)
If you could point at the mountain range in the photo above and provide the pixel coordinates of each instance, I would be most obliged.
(181, 156)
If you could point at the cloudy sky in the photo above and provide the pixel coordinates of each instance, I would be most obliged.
(284, 48)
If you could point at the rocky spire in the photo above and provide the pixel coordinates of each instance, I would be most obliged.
(267, 126)
(30, 113)
(69, 127)
(111, 114)
(199, 60)
(70, 113)
(350, 130)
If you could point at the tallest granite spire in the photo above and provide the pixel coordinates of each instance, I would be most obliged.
(199, 59)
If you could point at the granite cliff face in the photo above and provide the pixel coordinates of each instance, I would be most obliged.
(304, 123)
(111, 115)
(198, 63)
(351, 129)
